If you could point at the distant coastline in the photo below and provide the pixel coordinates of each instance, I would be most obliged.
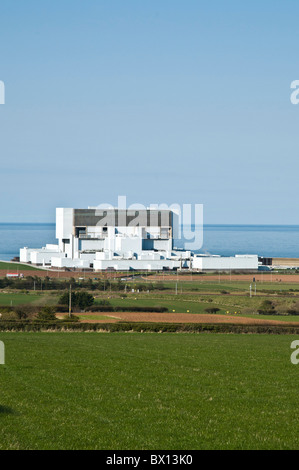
(221, 239)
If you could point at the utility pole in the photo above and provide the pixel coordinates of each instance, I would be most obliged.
(70, 301)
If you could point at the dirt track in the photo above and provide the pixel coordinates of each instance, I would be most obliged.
(180, 318)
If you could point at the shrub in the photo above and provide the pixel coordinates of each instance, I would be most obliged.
(140, 309)
(71, 318)
(292, 312)
(101, 308)
(104, 302)
(61, 308)
(160, 286)
(121, 308)
(25, 311)
(267, 308)
(5, 316)
(6, 309)
(81, 299)
(47, 314)
(147, 327)
(212, 310)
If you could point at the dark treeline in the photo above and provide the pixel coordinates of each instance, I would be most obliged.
(47, 283)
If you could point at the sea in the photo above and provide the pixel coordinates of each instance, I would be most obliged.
(225, 240)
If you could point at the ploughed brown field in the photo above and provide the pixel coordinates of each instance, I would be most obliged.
(177, 318)
(260, 277)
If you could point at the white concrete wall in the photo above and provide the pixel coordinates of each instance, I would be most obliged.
(52, 247)
(129, 231)
(176, 224)
(69, 263)
(101, 255)
(88, 257)
(95, 231)
(126, 265)
(125, 244)
(149, 255)
(38, 256)
(215, 263)
(165, 245)
(42, 257)
(88, 245)
(64, 222)
(24, 255)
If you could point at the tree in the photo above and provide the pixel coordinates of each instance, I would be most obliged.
(82, 299)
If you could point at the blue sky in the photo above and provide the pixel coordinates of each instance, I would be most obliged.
(161, 101)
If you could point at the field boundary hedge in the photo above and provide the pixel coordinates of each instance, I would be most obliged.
(122, 308)
(63, 326)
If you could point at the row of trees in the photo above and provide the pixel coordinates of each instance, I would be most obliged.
(47, 283)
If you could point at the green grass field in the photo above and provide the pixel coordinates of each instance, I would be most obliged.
(16, 298)
(148, 391)
(188, 303)
(231, 304)
(180, 305)
(17, 267)
(231, 298)
(93, 317)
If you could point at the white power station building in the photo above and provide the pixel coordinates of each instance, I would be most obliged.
(122, 240)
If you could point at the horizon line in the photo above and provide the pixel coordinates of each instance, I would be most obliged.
(204, 224)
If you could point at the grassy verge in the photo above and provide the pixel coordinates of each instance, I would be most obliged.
(17, 267)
